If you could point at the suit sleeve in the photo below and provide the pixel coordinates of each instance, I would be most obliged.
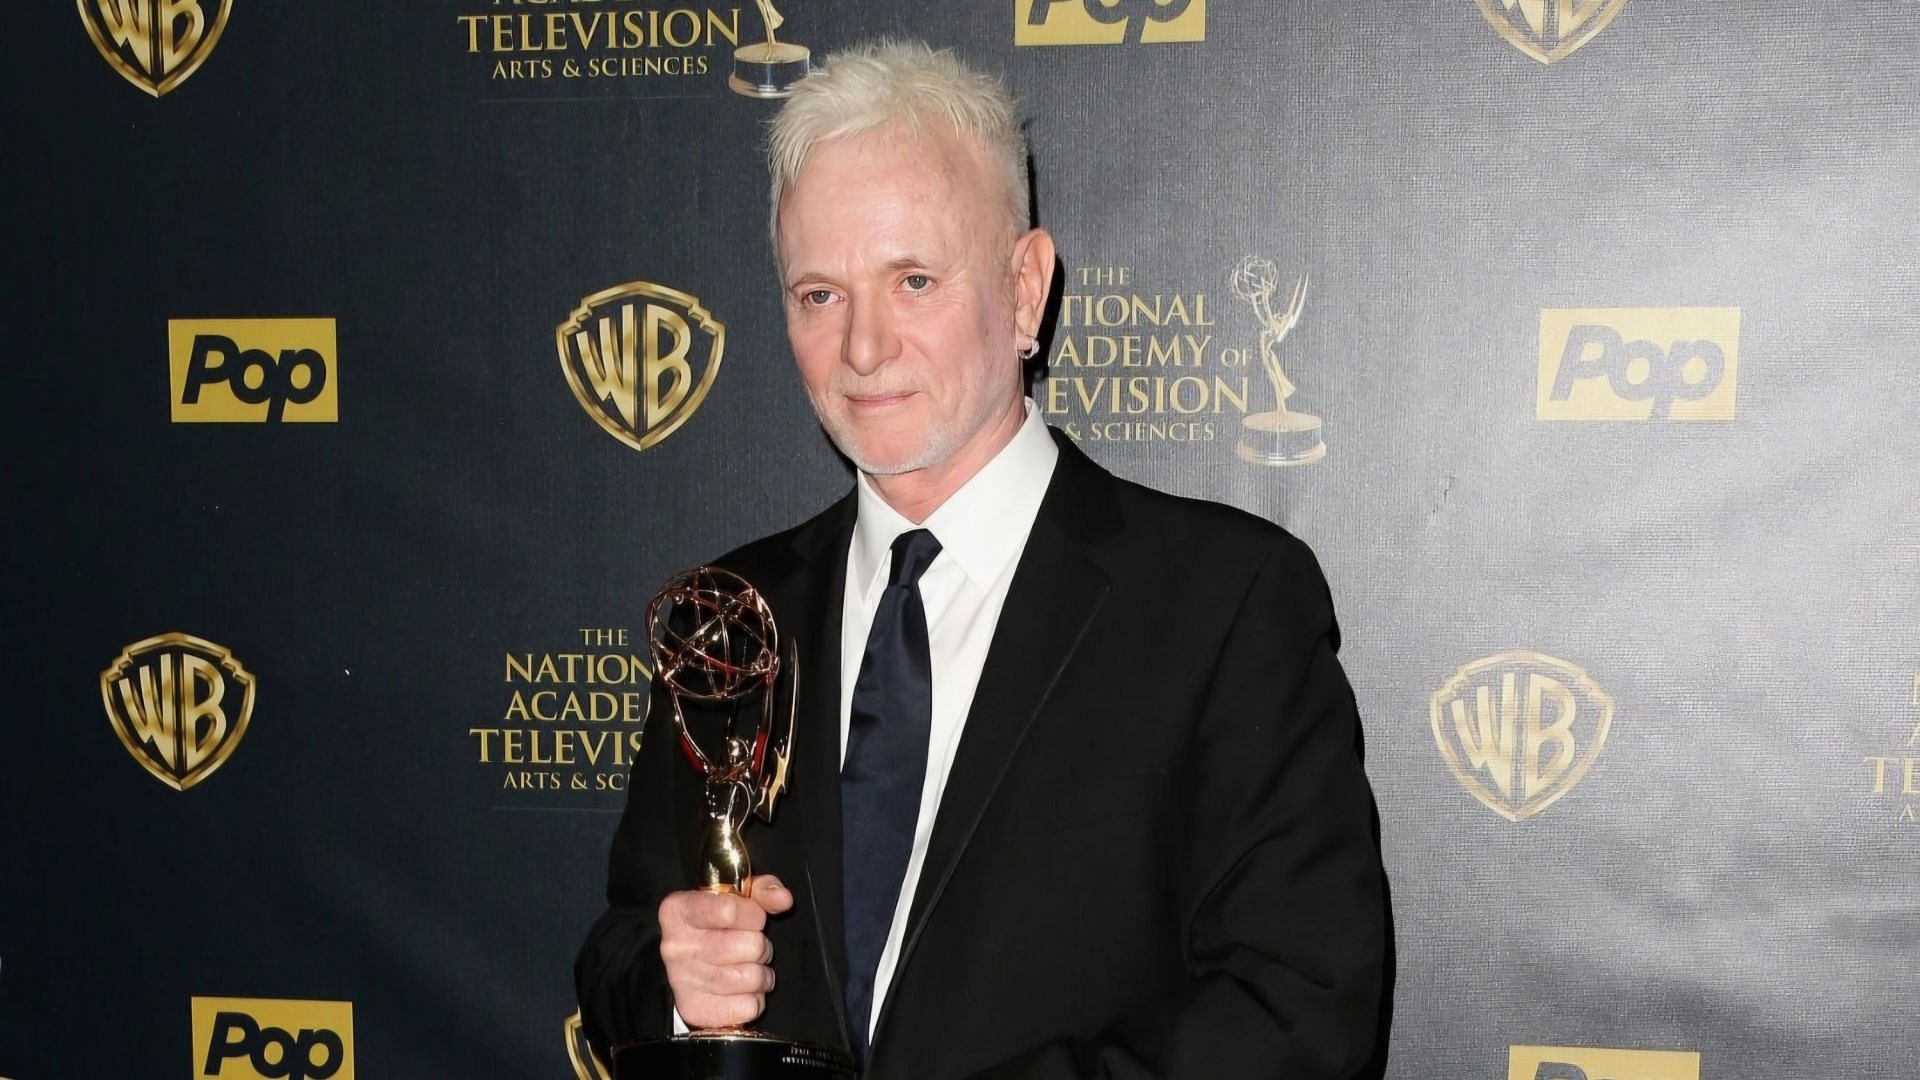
(1281, 890)
(619, 977)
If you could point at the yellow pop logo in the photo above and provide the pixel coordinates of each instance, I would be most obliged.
(253, 371)
(1108, 22)
(272, 1039)
(1638, 363)
(1586, 1063)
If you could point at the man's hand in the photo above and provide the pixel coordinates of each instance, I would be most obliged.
(717, 956)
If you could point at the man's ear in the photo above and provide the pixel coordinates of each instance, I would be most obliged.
(1032, 280)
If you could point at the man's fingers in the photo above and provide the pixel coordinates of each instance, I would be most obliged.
(740, 979)
(744, 1009)
(711, 911)
(734, 1010)
(717, 956)
(723, 947)
(715, 948)
(768, 892)
(730, 911)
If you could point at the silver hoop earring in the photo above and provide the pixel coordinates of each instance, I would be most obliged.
(1032, 350)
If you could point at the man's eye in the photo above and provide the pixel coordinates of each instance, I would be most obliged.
(816, 297)
(918, 282)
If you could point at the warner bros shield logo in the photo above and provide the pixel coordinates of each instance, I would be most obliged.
(180, 705)
(586, 1064)
(1519, 729)
(1549, 30)
(155, 44)
(640, 358)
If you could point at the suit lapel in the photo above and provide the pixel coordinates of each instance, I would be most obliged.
(1055, 593)
(810, 595)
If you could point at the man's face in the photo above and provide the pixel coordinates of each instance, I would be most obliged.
(899, 261)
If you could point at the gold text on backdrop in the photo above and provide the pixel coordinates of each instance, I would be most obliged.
(572, 721)
(1136, 362)
(1894, 775)
(617, 48)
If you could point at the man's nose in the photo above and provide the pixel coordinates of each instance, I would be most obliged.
(871, 340)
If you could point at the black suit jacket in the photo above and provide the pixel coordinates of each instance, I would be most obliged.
(1155, 855)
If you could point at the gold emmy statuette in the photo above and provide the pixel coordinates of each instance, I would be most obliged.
(1280, 437)
(768, 69)
(718, 655)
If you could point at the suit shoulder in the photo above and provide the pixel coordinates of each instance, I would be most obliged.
(777, 549)
(1212, 531)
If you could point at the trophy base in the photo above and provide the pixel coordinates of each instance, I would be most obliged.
(729, 1054)
(1282, 438)
(769, 69)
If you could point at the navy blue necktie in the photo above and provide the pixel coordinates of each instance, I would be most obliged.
(885, 768)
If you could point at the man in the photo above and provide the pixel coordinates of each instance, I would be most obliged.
(1076, 789)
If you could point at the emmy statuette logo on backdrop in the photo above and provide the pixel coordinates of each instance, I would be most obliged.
(155, 44)
(768, 69)
(1280, 437)
(1519, 729)
(640, 358)
(272, 1039)
(1549, 30)
(179, 704)
(1592, 1063)
(1108, 22)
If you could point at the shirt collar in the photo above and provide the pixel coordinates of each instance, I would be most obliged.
(982, 526)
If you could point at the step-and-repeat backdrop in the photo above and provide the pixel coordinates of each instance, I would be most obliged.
(371, 365)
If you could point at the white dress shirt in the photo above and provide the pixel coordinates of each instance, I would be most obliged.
(982, 529)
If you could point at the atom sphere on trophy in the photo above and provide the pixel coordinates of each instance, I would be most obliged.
(712, 637)
(1282, 436)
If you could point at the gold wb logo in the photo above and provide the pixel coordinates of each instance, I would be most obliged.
(640, 358)
(1519, 729)
(179, 704)
(155, 44)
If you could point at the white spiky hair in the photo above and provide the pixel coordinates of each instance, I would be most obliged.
(891, 80)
